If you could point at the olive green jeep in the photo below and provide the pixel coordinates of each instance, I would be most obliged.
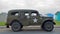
(24, 17)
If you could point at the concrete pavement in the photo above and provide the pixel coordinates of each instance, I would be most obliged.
(57, 26)
(25, 28)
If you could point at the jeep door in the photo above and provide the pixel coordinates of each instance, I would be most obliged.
(34, 18)
(25, 18)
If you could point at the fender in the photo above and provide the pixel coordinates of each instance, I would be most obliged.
(49, 20)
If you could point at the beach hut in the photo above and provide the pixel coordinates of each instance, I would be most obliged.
(57, 16)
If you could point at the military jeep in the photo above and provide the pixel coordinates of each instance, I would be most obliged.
(19, 18)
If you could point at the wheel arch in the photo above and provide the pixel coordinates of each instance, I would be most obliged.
(15, 20)
(48, 20)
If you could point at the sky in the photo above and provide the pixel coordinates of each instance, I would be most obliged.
(43, 6)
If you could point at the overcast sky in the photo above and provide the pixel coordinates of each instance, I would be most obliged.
(43, 6)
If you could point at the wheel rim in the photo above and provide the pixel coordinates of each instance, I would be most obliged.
(16, 26)
(48, 26)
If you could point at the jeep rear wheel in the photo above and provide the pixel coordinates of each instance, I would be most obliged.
(16, 26)
(48, 26)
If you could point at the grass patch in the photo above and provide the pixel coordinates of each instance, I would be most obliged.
(57, 22)
(2, 23)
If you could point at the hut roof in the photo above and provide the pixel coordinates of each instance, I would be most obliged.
(57, 12)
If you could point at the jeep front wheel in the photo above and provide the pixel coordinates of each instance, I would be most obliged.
(48, 26)
(16, 26)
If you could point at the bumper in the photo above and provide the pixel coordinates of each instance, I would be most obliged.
(54, 23)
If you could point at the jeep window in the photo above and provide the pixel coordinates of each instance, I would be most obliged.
(34, 14)
(27, 15)
(15, 13)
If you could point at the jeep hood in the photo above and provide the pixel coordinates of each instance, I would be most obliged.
(46, 17)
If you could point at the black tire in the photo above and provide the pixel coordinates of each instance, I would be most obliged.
(16, 26)
(48, 26)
